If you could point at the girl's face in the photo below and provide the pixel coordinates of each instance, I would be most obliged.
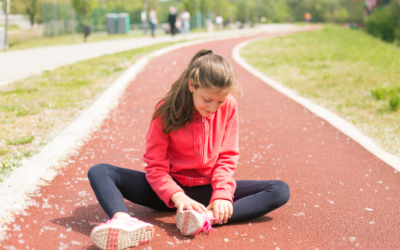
(208, 100)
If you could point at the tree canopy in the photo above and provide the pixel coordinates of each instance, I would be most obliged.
(241, 10)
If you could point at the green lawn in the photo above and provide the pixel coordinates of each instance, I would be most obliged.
(77, 38)
(347, 71)
(11, 27)
(34, 110)
(68, 39)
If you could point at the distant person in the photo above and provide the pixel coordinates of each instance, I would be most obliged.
(218, 21)
(178, 24)
(263, 19)
(86, 31)
(227, 22)
(172, 20)
(185, 19)
(192, 152)
(143, 16)
(153, 20)
(307, 17)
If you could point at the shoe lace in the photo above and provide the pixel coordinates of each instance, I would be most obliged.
(208, 222)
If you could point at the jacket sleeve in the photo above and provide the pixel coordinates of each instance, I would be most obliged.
(157, 169)
(221, 177)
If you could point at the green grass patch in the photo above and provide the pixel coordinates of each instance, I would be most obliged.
(385, 93)
(4, 151)
(7, 166)
(41, 106)
(21, 141)
(11, 27)
(394, 103)
(347, 71)
(390, 94)
(67, 39)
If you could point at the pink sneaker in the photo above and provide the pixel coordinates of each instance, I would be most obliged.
(192, 222)
(122, 232)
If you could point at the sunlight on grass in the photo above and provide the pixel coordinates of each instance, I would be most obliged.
(346, 71)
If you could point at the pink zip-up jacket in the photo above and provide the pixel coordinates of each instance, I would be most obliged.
(203, 152)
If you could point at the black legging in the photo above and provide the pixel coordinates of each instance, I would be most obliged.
(112, 184)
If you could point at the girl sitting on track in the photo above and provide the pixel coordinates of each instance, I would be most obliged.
(192, 148)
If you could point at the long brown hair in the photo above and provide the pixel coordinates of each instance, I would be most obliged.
(206, 70)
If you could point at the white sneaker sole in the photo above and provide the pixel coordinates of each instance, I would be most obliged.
(189, 223)
(111, 238)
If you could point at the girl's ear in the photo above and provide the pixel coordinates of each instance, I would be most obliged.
(191, 86)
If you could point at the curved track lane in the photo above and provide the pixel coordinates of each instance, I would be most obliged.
(342, 197)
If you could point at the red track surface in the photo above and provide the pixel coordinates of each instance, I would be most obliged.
(342, 197)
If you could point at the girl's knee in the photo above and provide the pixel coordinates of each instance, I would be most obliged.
(96, 170)
(283, 192)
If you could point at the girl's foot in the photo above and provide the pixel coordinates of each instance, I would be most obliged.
(122, 232)
(191, 222)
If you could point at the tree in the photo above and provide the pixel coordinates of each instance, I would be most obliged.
(384, 23)
(31, 10)
(396, 9)
(226, 9)
(191, 6)
(273, 11)
(206, 6)
(83, 8)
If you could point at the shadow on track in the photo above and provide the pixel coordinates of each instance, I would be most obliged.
(84, 218)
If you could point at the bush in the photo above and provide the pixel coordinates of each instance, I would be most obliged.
(383, 23)
(384, 93)
(392, 94)
(394, 102)
(379, 93)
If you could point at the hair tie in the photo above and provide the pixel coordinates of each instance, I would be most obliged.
(205, 53)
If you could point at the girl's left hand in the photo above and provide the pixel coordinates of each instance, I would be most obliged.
(222, 209)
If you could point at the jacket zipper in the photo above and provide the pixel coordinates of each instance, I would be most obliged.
(204, 139)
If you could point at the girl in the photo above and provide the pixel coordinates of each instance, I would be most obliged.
(192, 149)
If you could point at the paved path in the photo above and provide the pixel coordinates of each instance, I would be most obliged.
(342, 197)
(20, 64)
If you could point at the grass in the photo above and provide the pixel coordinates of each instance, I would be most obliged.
(347, 71)
(3, 151)
(394, 103)
(36, 109)
(68, 39)
(11, 27)
(78, 38)
(21, 141)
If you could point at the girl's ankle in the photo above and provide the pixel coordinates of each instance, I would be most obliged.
(121, 214)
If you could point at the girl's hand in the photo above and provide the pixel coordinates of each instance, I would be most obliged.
(183, 202)
(222, 209)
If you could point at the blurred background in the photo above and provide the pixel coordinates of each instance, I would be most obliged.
(29, 21)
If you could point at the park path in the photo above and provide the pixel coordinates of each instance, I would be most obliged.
(342, 197)
(19, 64)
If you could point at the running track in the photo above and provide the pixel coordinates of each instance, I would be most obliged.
(342, 197)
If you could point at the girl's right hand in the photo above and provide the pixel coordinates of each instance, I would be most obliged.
(183, 202)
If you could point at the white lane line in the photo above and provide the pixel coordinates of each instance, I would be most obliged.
(336, 121)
